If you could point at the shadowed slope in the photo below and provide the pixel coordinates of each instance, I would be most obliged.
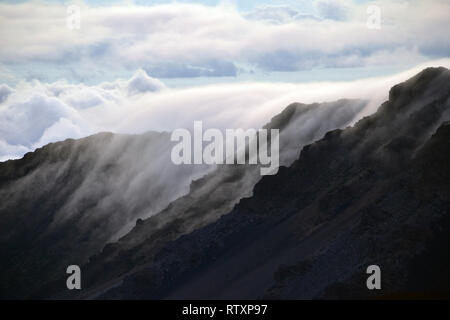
(376, 193)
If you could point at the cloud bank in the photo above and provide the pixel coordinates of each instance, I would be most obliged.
(35, 113)
(192, 40)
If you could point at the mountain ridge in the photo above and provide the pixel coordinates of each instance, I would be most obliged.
(341, 203)
(66, 201)
(366, 186)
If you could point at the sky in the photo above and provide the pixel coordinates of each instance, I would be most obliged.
(129, 58)
(182, 41)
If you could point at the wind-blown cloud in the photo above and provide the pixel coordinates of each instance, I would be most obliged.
(37, 113)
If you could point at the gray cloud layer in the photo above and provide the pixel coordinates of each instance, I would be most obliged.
(187, 40)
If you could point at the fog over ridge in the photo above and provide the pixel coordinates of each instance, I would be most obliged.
(33, 114)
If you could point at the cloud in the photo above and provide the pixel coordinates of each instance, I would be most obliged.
(141, 82)
(5, 91)
(85, 99)
(278, 14)
(214, 68)
(60, 130)
(24, 122)
(191, 40)
(8, 151)
(333, 10)
(37, 113)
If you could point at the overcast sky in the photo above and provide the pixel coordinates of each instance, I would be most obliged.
(279, 40)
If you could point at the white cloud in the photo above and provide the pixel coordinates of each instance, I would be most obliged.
(278, 14)
(141, 82)
(62, 129)
(24, 122)
(36, 113)
(8, 151)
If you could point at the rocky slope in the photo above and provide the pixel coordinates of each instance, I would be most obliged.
(376, 193)
(63, 203)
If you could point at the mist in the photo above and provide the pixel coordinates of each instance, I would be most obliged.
(35, 113)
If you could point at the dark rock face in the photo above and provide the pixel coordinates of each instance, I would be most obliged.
(377, 193)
